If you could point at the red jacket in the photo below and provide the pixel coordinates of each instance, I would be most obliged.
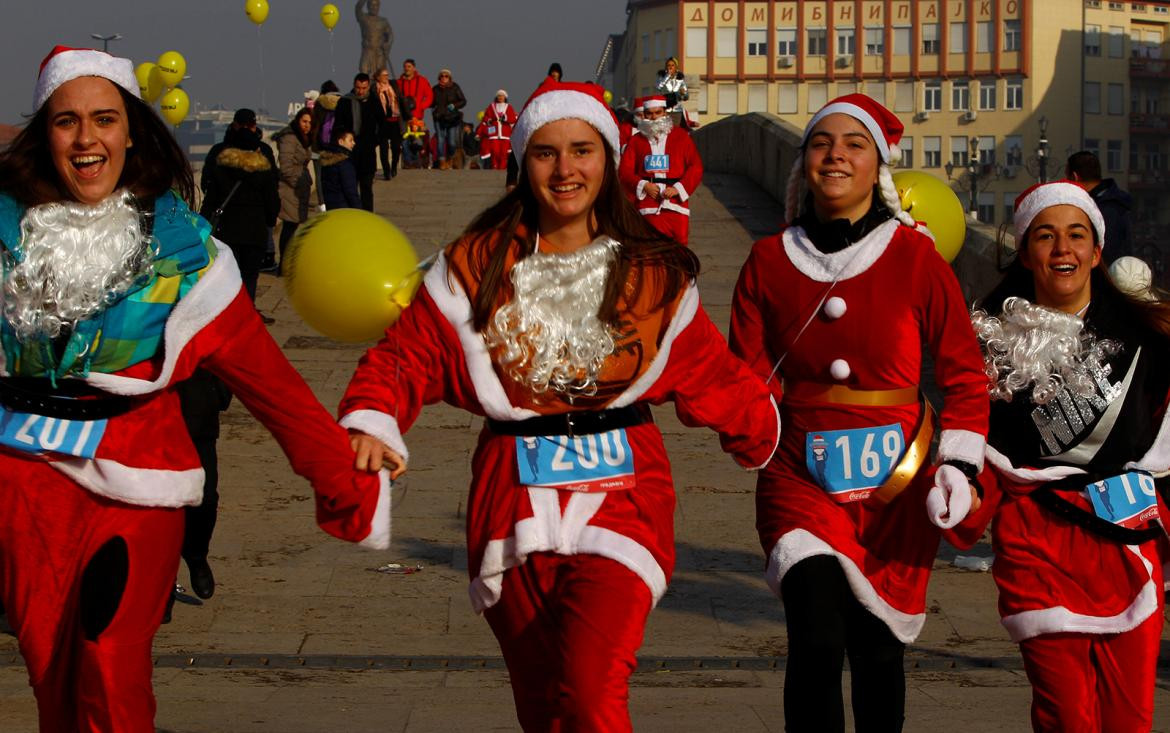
(419, 89)
(684, 170)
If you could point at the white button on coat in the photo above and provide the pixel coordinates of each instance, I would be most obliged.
(840, 370)
(835, 307)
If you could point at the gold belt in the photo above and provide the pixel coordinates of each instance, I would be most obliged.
(839, 394)
(916, 454)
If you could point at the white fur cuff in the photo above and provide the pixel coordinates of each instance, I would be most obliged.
(962, 445)
(379, 536)
(378, 425)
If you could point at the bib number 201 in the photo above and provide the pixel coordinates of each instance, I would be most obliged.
(40, 434)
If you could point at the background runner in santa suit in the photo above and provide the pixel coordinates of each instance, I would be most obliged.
(495, 129)
(835, 309)
(113, 293)
(1078, 405)
(661, 170)
(562, 315)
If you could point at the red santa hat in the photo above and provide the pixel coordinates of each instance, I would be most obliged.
(653, 102)
(1043, 195)
(66, 64)
(564, 100)
(639, 103)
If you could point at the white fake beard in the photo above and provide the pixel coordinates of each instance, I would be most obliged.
(548, 335)
(655, 129)
(78, 259)
(1046, 349)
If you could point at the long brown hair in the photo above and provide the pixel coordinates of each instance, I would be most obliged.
(643, 248)
(154, 164)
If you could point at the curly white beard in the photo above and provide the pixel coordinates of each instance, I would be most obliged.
(548, 335)
(1030, 345)
(655, 129)
(77, 260)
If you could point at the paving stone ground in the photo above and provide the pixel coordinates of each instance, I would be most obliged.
(287, 592)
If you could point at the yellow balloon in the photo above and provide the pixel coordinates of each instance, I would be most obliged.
(607, 96)
(350, 273)
(174, 106)
(150, 82)
(329, 15)
(479, 116)
(257, 11)
(173, 68)
(932, 202)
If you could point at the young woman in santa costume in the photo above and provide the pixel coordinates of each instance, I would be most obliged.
(834, 311)
(113, 293)
(495, 129)
(1078, 429)
(561, 316)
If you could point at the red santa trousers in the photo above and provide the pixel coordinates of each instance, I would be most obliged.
(499, 150)
(671, 223)
(569, 626)
(1094, 682)
(50, 529)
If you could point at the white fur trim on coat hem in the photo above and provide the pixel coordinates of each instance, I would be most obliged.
(962, 445)
(800, 544)
(1029, 475)
(379, 536)
(378, 425)
(139, 486)
(843, 264)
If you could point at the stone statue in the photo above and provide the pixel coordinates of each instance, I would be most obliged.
(377, 37)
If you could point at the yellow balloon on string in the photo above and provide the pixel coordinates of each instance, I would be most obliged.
(173, 68)
(174, 106)
(933, 203)
(150, 82)
(329, 15)
(607, 96)
(257, 11)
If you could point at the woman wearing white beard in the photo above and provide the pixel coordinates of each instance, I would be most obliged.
(114, 292)
(561, 315)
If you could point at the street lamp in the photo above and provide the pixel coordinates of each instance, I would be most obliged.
(972, 171)
(106, 40)
(1042, 150)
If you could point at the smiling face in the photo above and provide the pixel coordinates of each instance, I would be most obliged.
(566, 162)
(841, 164)
(1060, 252)
(88, 137)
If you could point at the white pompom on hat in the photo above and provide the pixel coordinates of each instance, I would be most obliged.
(565, 100)
(64, 64)
(1044, 195)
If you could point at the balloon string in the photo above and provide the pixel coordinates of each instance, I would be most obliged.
(332, 62)
(260, 49)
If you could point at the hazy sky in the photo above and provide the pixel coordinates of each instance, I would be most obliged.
(487, 45)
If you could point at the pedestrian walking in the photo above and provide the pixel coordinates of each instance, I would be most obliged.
(360, 113)
(496, 132)
(390, 129)
(324, 113)
(293, 148)
(446, 109)
(339, 177)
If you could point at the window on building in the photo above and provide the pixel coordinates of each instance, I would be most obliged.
(875, 41)
(987, 150)
(1137, 7)
(757, 41)
(932, 96)
(1116, 99)
(957, 42)
(1152, 41)
(757, 100)
(658, 46)
(1009, 204)
(696, 39)
(932, 151)
(906, 144)
(903, 96)
(1113, 155)
(670, 47)
(786, 42)
(725, 43)
(846, 42)
(1092, 40)
(1092, 98)
(930, 38)
(960, 95)
(1014, 96)
(1093, 145)
(1116, 42)
(903, 36)
(983, 32)
(645, 47)
(1013, 150)
(1113, 6)
(846, 87)
(1153, 157)
(960, 149)
(786, 99)
(876, 90)
(1161, 10)
(985, 207)
(816, 42)
(1011, 34)
(727, 98)
(987, 94)
(818, 96)
(1151, 104)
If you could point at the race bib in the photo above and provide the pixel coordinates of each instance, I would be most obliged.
(590, 463)
(491, 129)
(40, 434)
(656, 163)
(1127, 500)
(851, 464)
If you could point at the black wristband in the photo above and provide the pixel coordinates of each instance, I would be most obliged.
(969, 470)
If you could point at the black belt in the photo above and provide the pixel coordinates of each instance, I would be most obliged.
(1048, 497)
(582, 422)
(663, 181)
(69, 400)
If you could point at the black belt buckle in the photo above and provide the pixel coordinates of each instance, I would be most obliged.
(570, 425)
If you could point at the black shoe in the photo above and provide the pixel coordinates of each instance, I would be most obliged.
(202, 581)
(266, 320)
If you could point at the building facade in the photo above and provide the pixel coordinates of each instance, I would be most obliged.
(995, 94)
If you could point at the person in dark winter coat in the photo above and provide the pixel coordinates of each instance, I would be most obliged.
(324, 112)
(240, 197)
(447, 109)
(360, 113)
(292, 143)
(1084, 169)
(339, 179)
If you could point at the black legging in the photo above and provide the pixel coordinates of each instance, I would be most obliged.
(825, 623)
(390, 148)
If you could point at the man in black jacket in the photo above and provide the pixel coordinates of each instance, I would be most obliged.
(360, 112)
(1084, 169)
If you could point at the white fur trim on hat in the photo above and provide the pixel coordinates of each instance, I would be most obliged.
(69, 65)
(501, 91)
(654, 102)
(865, 118)
(1056, 194)
(563, 104)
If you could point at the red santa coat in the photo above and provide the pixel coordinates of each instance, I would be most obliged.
(433, 353)
(685, 170)
(897, 294)
(497, 122)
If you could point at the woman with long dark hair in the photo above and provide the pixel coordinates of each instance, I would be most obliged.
(561, 315)
(114, 292)
(293, 150)
(1078, 436)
